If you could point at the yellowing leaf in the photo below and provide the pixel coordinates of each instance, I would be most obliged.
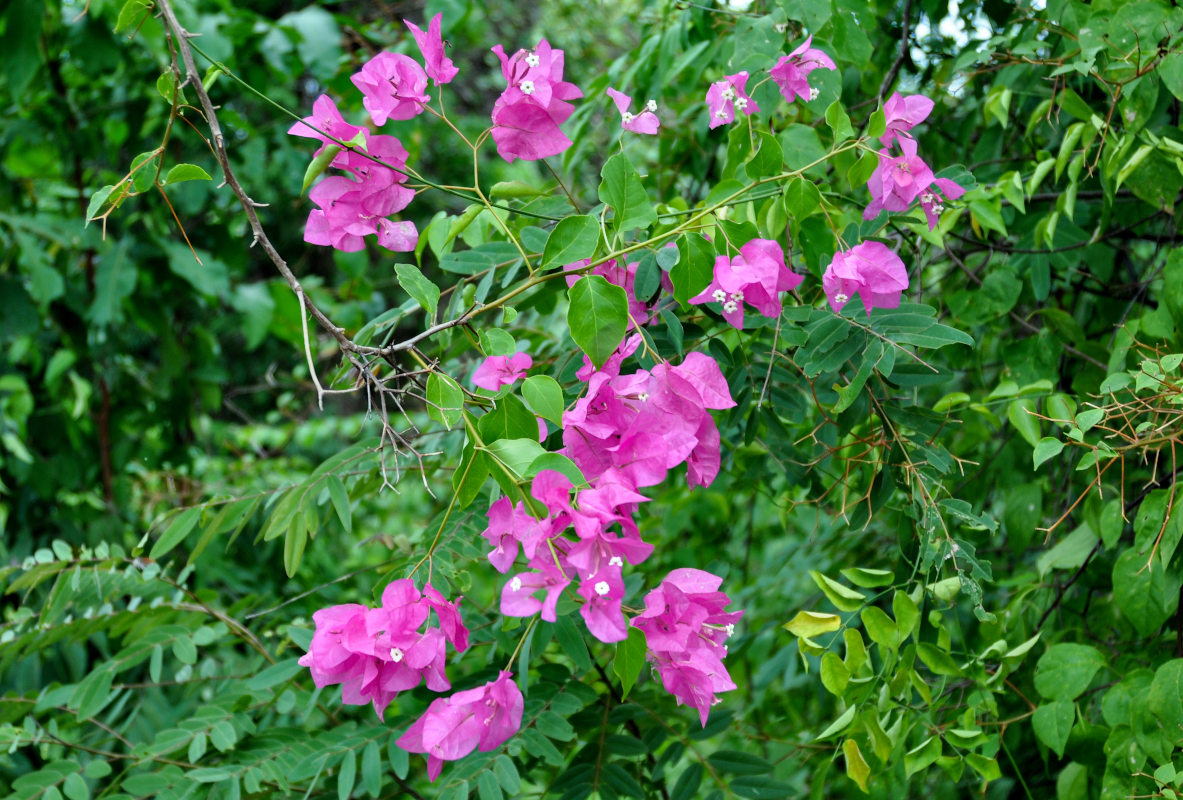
(812, 623)
(857, 768)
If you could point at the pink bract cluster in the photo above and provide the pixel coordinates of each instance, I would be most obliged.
(685, 629)
(535, 102)
(475, 719)
(375, 653)
(755, 277)
(902, 177)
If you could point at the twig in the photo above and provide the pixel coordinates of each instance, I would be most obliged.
(320, 392)
(905, 35)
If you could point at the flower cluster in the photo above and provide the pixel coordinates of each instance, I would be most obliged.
(727, 96)
(901, 178)
(350, 208)
(375, 653)
(756, 277)
(475, 719)
(791, 72)
(535, 102)
(870, 270)
(685, 627)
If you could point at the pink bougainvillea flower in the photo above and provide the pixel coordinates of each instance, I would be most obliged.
(392, 86)
(933, 203)
(903, 114)
(791, 72)
(756, 277)
(602, 593)
(898, 180)
(536, 101)
(870, 270)
(375, 653)
(439, 67)
(645, 122)
(727, 96)
(685, 630)
(475, 719)
(326, 124)
(497, 371)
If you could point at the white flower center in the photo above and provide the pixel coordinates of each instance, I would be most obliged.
(813, 93)
(532, 60)
(721, 114)
(396, 655)
(729, 307)
(627, 117)
(840, 298)
(615, 561)
(728, 92)
(602, 588)
(719, 295)
(643, 396)
(736, 296)
(741, 103)
(527, 87)
(651, 106)
(515, 584)
(927, 198)
(730, 628)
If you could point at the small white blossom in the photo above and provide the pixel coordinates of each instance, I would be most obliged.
(719, 295)
(615, 561)
(532, 60)
(813, 93)
(515, 584)
(741, 103)
(651, 106)
(736, 296)
(841, 297)
(602, 588)
(728, 92)
(396, 655)
(729, 307)
(527, 87)
(627, 117)
(643, 396)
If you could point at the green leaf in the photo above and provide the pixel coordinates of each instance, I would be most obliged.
(180, 527)
(559, 463)
(1052, 724)
(132, 11)
(340, 500)
(688, 782)
(840, 724)
(372, 768)
(92, 692)
(1165, 698)
(839, 123)
(293, 546)
(868, 578)
(737, 762)
(695, 267)
(573, 239)
(186, 172)
(544, 397)
(516, 454)
(114, 280)
(922, 756)
(880, 628)
(767, 160)
(622, 190)
(629, 660)
(487, 787)
(1046, 448)
(1146, 596)
(835, 675)
(426, 293)
(1025, 423)
(507, 775)
(1066, 670)
(597, 317)
(347, 775)
(571, 640)
(801, 198)
(319, 164)
(445, 399)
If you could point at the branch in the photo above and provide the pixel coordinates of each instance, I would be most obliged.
(905, 35)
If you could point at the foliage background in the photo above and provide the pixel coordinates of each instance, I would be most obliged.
(1001, 659)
